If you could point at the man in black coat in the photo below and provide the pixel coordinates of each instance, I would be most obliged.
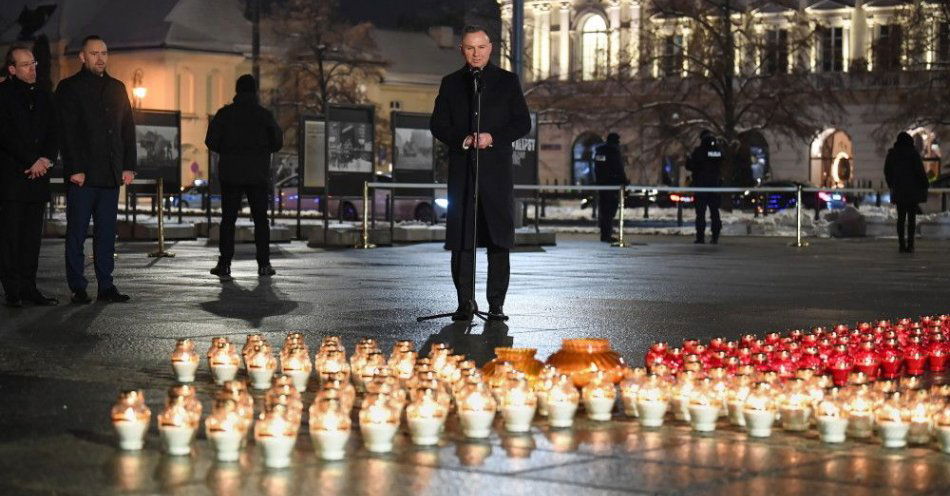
(705, 163)
(907, 180)
(608, 171)
(504, 119)
(98, 147)
(244, 134)
(28, 147)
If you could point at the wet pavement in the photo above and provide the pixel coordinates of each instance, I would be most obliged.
(60, 368)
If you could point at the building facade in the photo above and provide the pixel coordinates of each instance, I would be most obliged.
(575, 41)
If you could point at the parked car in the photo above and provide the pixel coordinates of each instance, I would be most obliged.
(775, 201)
(640, 198)
(193, 196)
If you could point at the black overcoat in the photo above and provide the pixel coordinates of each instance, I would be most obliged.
(98, 131)
(905, 175)
(608, 165)
(28, 131)
(244, 134)
(505, 116)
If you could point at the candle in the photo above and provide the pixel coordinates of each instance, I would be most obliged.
(892, 423)
(130, 418)
(652, 401)
(735, 399)
(225, 428)
(261, 365)
(942, 420)
(759, 410)
(920, 410)
(860, 406)
(629, 387)
(329, 362)
(518, 403)
(223, 360)
(794, 408)
(295, 363)
(832, 420)
(369, 366)
(425, 416)
(547, 379)
(276, 433)
(476, 410)
(703, 407)
(330, 427)
(379, 420)
(185, 360)
(562, 401)
(680, 393)
(178, 421)
(599, 396)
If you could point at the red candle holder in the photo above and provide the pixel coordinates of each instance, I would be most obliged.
(914, 360)
(867, 361)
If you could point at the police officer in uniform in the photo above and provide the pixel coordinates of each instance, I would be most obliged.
(608, 171)
(705, 164)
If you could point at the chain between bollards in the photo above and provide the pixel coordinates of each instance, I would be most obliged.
(160, 253)
(620, 243)
(365, 244)
(799, 243)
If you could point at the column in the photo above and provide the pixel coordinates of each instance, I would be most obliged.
(564, 57)
(634, 45)
(536, 36)
(544, 11)
(613, 17)
(506, 37)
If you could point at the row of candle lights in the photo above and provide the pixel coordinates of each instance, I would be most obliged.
(793, 385)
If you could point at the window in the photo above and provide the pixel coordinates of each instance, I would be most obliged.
(943, 43)
(186, 92)
(671, 63)
(776, 52)
(831, 49)
(215, 92)
(594, 48)
(887, 48)
(395, 105)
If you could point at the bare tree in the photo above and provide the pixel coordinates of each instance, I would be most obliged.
(326, 60)
(720, 65)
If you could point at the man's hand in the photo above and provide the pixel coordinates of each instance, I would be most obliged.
(128, 177)
(484, 141)
(78, 179)
(467, 143)
(39, 168)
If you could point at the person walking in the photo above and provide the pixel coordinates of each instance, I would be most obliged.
(608, 171)
(907, 180)
(99, 156)
(244, 135)
(28, 147)
(705, 164)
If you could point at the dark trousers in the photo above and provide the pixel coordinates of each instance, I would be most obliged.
(710, 201)
(231, 195)
(906, 224)
(101, 205)
(499, 268)
(21, 225)
(607, 204)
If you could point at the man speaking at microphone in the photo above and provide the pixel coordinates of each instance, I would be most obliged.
(504, 118)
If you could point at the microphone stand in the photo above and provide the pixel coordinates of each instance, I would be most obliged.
(477, 121)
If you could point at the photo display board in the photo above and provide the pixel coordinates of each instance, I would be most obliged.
(312, 153)
(158, 147)
(524, 158)
(350, 145)
(413, 152)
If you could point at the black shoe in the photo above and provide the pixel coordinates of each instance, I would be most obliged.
(715, 240)
(699, 241)
(497, 313)
(910, 248)
(41, 300)
(13, 302)
(112, 295)
(265, 270)
(465, 311)
(611, 239)
(222, 270)
(80, 297)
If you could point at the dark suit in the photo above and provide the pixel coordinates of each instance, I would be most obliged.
(608, 171)
(244, 134)
(907, 180)
(705, 163)
(28, 131)
(98, 139)
(505, 117)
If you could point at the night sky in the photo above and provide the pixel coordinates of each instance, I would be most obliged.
(421, 14)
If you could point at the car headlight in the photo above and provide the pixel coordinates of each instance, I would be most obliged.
(442, 202)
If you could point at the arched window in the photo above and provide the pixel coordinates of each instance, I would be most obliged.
(594, 48)
(186, 91)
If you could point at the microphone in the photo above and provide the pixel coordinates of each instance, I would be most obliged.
(477, 78)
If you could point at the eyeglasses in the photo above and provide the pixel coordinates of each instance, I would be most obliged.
(27, 64)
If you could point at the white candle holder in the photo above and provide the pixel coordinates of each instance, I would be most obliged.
(736, 415)
(652, 413)
(131, 434)
(299, 378)
(330, 445)
(176, 439)
(703, 417)
(561, 413)
(277, 450)
(226, 444)
(518, 417)
(425, 431)
(260, 377)
(893, 434)
(224, 372)
(943, 434)
(599, 408)
(476, 424)
(759, 422)
(832, 430)
(185, 371)
(378, 438)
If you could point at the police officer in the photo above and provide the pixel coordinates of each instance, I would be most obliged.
(28, 147)
(608, 171)
(705, 164)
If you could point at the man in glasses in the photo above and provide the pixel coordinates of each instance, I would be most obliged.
(28, 147)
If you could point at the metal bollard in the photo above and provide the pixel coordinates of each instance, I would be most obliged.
(798, 219)
(161, 253)
(620, 243)
(679, 213)
(365, 244)
(646, 204)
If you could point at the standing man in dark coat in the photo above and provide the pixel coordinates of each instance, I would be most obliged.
(98, 149)
(705, 163)
(907, 180)
(28, 147)
(244, 134)
(504, 119)
(608, 171)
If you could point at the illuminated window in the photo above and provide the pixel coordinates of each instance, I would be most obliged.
(776, 52)
(671, 63)
(831, 49)
(594, 48)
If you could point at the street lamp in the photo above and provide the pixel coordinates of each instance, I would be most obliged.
(138, 89)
